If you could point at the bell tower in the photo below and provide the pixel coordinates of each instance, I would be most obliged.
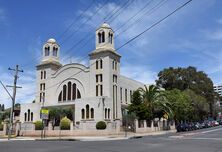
(105, 69)
(49, 64)
(50, 51)
(105, 37)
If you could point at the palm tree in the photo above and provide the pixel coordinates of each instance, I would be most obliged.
(155, 100)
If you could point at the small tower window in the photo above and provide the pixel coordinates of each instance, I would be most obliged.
(110, 38)
(31, 116)
(28, 114)
(103, 37)
(101, 64)
(97, 64)
(25, 116)
(55, 50)
(99, 37)
(47, 51)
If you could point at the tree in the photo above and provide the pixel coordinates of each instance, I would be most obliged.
(138, 107)
(187, 78)
(181, 105)
(155, 101)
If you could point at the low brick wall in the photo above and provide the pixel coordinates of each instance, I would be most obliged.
(57, 133)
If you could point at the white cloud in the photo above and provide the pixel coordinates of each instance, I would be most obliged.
(140, 73)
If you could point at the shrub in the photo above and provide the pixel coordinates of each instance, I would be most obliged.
(101, 125)
(65, 123)
(1, 127)
(38, 125)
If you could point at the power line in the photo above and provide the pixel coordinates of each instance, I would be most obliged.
(155, 24)
(76, 19)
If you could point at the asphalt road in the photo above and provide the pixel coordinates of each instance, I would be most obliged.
(207, 140)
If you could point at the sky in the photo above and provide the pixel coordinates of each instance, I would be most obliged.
(190, 37)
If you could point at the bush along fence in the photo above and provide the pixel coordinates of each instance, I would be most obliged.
(88, 128)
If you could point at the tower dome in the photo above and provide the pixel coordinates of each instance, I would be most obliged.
(51, 40)
(105, 25)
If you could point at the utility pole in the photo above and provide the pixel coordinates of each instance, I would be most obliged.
(13, 98)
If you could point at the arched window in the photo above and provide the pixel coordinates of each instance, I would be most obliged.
(108, 113)
(69, 90)
(83, 114)
(60, 96)
(87, 111)
(74, 91)
(105, 113)
(64, 92)
(55, 50)
(78, 94)
(31, 116)
(47, 51)
(28, 114)
(103, 37)
(44, 74)
(99, 37)
(110, 38)
(41, 74)
(25, 116)
(97, 64)
(92, 112)
(101, 64)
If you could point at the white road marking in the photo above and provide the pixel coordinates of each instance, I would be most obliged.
(211, 130)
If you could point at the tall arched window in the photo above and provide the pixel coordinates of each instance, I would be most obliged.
(103, 37)
(25, 116)
(83, 114)
(60, 96)
(64, 92)
(87, 111)
(99, 37)
(78, 94)
(69, 90)
(105, 113)
(74, 91)
(28, 114)
(92, 112)
(31, 116)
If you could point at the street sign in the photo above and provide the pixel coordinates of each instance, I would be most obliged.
(44, 114)
(165, 116)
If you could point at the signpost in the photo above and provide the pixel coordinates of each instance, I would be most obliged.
(44, 115)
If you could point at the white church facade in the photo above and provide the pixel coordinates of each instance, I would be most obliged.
(96, 93)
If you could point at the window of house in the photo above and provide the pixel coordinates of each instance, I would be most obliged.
(101, 90)
(41, 74)
(28, 114)
(97, 64)
(87, 111)
(108, 113)
(44, 74)
(73, 91)
(69, 90)
(31, 116)
(105, 113)
(92, 112)
(97, 90)
(25, 116)
(83, 113)
(47, 51)
(55, 50)
(99, 37)
(101, 64)
(64, 92)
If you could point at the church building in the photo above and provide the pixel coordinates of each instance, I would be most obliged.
(96, 93)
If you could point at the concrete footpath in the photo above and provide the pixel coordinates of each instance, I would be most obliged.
(122, 136)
